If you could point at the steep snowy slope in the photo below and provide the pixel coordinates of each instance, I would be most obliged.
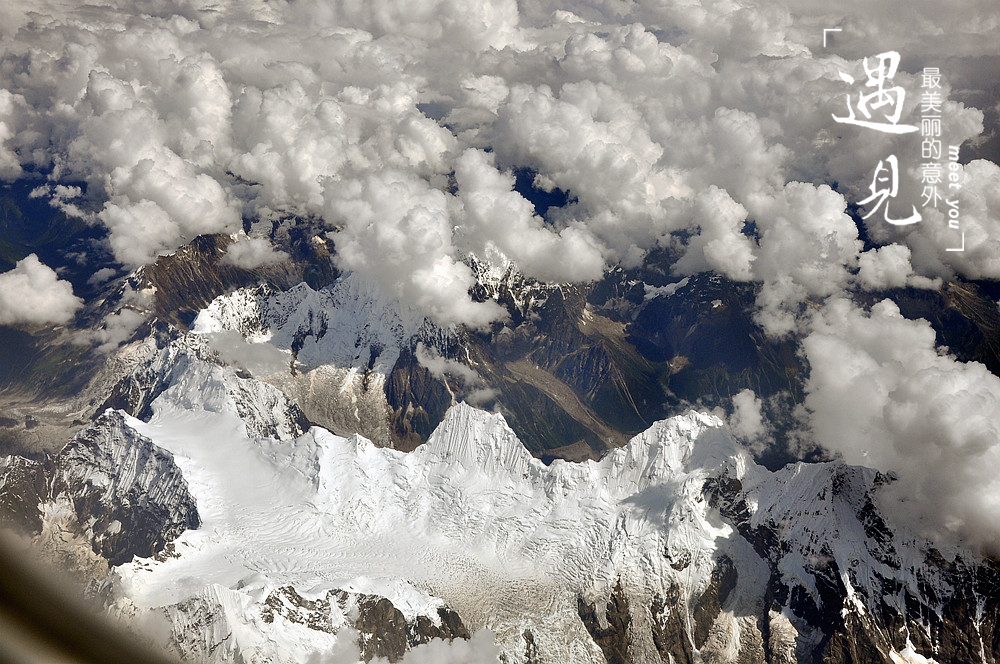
(109, 495)
(350, 324)
(674, 546)
(134, 489)
(195, 368)
(343, 343)
(274, 542)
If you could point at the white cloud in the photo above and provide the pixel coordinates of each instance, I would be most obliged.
(397, 230)
(720, 244)
(657, 118)
(885, 267)
(491, 212)
(978, 216)
(889, 267)
(471, 386)
(252, 252)
(260, 359)
(117, 327)
(747, 420)
(883, 395)
(439, 366)
(480, 649)
(101, 276)
(10, 166)
(808, 244)
(33, 294)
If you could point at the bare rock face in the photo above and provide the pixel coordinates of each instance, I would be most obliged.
(839, 591)
(22, 490)
(122, 494)
(187, 280)
(612, 634)
(669, 629)
(127, 493)
(385, 632)
(220, 625)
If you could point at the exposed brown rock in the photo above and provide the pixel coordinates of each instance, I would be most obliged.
(614, 638)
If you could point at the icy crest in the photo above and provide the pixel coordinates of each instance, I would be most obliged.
(472, 520)
(498, 278)
(477, 441)
(198, 381)
(350, 323)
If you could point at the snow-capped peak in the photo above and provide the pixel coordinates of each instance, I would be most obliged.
(477, 440)
(350, 323)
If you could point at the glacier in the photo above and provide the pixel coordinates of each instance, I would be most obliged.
(275, 540)
(472, 522)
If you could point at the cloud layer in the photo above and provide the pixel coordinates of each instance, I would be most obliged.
(883, 395)
(702, 126)
(668, 123)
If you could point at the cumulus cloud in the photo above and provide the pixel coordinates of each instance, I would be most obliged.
(720, 244)
(886, 267)
(480, 649)
(882, 395)
(252, 252)
(101, 276)
(33, 294)
(259, 359)
(977, 216)
(808, 245)
(747, 421)
(10, 165)
(396, 229)
(493, 213)
(116, 328)
(668, 124)
(889, 267)
(472, 386)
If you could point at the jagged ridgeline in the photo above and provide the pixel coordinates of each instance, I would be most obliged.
(281, 459)
(576, 369)
(269, 544)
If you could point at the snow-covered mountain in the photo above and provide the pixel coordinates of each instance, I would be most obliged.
(342, 344)
(576, 371)
(260, 541)
(243, 484)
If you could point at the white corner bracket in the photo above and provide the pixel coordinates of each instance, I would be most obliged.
(962, 248)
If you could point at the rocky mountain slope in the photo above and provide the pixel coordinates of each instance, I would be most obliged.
(261, 542)
(280, 470)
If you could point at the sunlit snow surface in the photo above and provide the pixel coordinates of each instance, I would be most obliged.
(470, 517)
(473, 521)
